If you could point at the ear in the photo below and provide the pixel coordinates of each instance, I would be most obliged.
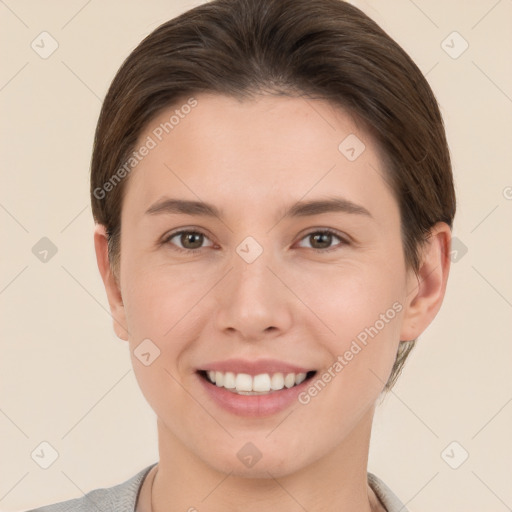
(112, 288)
(425, 291)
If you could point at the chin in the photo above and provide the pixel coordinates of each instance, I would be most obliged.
(249, 462)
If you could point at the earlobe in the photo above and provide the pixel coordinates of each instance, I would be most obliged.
(426, 290)
(112, 288)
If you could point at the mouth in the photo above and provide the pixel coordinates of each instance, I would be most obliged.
(255, 385)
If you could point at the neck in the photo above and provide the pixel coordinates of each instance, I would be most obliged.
(336, 482)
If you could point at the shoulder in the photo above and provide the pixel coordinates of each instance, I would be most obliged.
(385, 494)
(119, 498)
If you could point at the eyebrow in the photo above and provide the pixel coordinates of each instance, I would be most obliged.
(168, 205)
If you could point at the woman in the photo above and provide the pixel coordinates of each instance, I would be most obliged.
(273, 199)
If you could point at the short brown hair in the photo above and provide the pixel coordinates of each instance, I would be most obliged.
(326, 49)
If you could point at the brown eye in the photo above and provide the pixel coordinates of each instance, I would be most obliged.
(191, 240)
(186, 240)
(322, 240)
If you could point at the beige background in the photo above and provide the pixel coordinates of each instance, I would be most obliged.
(67, 380)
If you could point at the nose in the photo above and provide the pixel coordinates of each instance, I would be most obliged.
(254, 302)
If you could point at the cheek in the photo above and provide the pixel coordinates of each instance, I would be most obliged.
(352, 296)
(158, 299)
(362, 308)
(159, 307)
(163, 305)
(362, 353)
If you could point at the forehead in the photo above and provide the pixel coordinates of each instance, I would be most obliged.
(269, 150)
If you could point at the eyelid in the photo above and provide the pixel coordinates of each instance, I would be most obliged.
(168, 236)
(345, 239)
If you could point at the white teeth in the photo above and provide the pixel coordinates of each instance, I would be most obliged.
(277, 381)
(289, 380)
(229, 380)
(300, 377)
(243, 382)
(263, 383)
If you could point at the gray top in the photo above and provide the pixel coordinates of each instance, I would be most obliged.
(122, 497)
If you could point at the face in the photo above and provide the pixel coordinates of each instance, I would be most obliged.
(296, 268)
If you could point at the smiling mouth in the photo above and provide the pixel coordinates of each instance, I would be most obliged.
(261, 384)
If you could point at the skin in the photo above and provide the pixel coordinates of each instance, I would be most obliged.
(253, 159)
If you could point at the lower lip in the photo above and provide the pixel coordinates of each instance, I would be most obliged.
(253, 405)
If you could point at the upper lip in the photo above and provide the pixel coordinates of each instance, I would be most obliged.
(254, 367)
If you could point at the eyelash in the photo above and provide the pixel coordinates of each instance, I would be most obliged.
(328, 231)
